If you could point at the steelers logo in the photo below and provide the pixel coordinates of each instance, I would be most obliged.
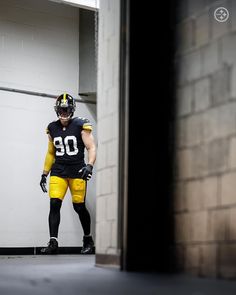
(221, 14)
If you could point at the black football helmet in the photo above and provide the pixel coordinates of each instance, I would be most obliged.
(65, 106)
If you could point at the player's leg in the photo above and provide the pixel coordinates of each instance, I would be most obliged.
(57, 190)
(78, 192)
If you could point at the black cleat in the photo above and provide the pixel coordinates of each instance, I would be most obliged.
(51, 249)
(88, 245)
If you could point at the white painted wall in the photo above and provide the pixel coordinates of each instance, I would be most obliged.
(39, 45)
(38, 52)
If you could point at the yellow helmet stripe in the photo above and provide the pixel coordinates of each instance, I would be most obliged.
(64, 98)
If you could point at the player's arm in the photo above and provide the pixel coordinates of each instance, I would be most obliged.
(88, 139)
(50, 156)
(49, 160)
(90, 145)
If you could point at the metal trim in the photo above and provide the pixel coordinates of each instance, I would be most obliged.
(35, 93)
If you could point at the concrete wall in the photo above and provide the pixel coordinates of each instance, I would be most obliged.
(39, 45)
(107, 128)
(205, 195)
(87, 57)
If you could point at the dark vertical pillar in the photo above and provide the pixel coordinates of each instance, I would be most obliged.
(149, 230)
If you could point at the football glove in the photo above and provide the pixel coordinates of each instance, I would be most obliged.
(43, 182)
(86, 172)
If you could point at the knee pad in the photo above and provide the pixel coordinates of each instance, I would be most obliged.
(55, 204)
(78, 207)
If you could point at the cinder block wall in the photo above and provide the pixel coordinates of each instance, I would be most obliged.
(107, 128)
(205, 191)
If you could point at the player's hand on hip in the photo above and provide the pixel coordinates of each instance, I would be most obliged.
(43, 183)
(86, 172)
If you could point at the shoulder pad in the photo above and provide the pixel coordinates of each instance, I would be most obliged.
(84, 123)
(48, 129)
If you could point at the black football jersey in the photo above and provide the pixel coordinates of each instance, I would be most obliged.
(69, 146)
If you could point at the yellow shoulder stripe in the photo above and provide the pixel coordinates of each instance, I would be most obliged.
(87, 127)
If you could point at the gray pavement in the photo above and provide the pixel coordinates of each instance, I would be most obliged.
(77, 274)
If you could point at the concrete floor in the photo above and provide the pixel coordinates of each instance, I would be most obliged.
(77, 274)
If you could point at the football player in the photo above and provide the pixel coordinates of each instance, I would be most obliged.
(65, 161)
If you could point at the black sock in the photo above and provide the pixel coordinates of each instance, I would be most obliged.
(54, 216)
(84, 217)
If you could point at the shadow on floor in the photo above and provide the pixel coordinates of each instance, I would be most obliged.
(77, 274)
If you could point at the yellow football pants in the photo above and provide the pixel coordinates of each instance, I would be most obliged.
(58, 187)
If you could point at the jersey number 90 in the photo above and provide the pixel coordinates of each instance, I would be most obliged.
(69, 146)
